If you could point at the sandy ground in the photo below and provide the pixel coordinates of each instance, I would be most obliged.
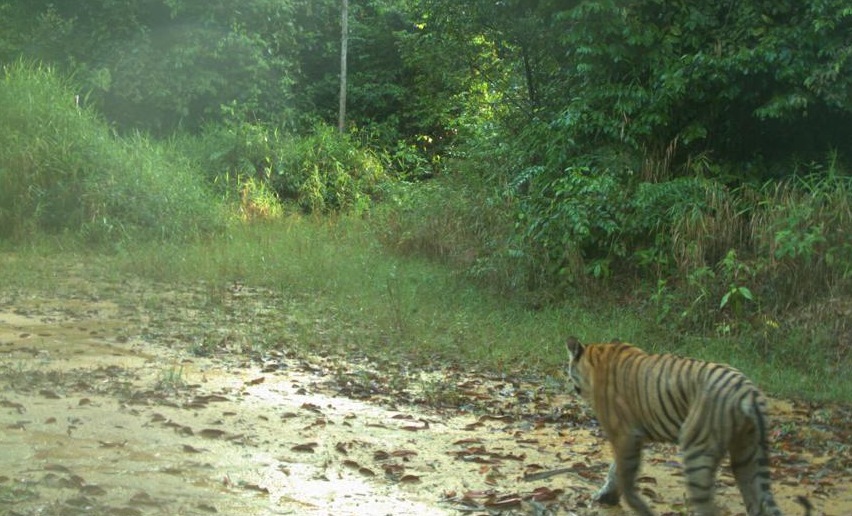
(106, 409)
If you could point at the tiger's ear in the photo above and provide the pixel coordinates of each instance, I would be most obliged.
(574, 347)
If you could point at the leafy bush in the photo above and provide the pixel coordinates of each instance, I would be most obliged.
(61, 170)
(327, 172)
(746, 256)
(322, 172)
(705, 256)
(569, 223)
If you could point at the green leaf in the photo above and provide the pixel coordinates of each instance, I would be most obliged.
(725, 299)
(746, 293)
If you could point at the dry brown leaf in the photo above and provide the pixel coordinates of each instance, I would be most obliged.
(212, 433)
(305, 447)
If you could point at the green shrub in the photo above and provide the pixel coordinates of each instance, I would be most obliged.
(46, 145)
(152, 192)
(801, 235)
(62, 170)
(322, 172)
(745, 257)
(327, 172)
(707, 257)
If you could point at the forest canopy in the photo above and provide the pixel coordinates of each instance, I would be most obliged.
(760, 83)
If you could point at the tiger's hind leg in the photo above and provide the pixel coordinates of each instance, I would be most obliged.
(700, 441)
(751, 470)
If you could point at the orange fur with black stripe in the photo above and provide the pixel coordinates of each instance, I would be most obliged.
(710, 410)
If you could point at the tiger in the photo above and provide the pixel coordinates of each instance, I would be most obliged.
(708, 409)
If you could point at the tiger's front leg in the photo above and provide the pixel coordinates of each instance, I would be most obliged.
(609, 494)
(621, 478)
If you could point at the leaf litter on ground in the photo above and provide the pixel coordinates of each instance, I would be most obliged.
(303, 426)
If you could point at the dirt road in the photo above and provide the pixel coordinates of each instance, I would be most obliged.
(125, 398)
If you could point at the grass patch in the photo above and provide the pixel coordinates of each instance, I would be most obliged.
(170, 379)
(334, 289)
(343, 293)
(369, 300)
(796, 369)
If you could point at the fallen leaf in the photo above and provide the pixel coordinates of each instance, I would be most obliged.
(93, 490)
(305, 447)
(142, 498)
(112, 444)
(545, 494)
(254, 487)
(470, 440)
(311, 407)
(56, 467)
(415, 428)
(11, 404)
(504, 502)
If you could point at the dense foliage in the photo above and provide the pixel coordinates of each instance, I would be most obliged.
(319, 171)
(159, 65)
(741, 82)
(692, 155)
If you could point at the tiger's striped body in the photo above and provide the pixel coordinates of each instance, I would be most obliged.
(710, 410)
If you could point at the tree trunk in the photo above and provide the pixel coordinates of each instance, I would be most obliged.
(344, 43)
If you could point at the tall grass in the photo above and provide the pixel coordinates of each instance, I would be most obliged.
(454, 222)
(63, 171)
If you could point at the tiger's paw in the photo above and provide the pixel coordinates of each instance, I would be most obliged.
(607, 497)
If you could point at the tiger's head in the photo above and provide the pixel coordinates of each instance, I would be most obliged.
(577, 368)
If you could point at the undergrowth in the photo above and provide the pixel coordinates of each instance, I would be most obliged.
(344, 293)
(63, 171)
(320, 172)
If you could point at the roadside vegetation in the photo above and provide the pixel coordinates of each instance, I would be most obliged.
(62, 170)
(476, 220)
